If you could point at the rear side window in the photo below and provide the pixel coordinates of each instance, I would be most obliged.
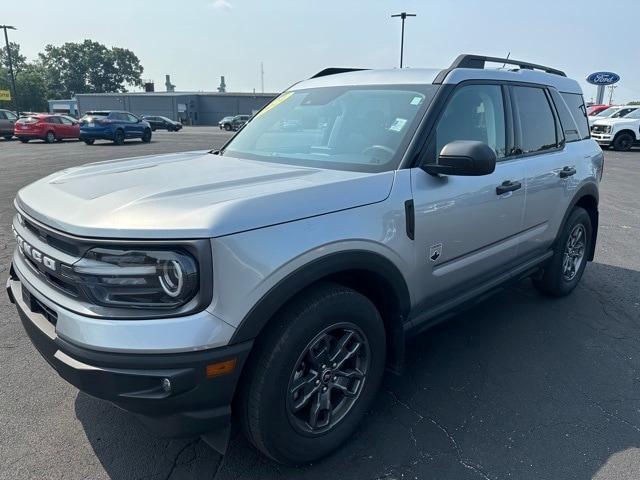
(578, 110)
(569, 125)
(537, 123)
(55, 120)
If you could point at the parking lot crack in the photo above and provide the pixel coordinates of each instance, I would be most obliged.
(456, 447)
(186, 447)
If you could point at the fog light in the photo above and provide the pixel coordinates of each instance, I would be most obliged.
(166, 385)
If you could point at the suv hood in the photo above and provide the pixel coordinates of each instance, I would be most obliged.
(192, 195)
(617, 121)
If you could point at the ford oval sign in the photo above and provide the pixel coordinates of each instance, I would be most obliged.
(603, 78)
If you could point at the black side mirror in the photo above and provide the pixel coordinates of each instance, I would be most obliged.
(463, 157)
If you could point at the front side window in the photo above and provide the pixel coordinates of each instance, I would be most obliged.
(131, 118)
(475, 112)
(11, 116)
(537, 123)
(66, 121)
(623, 112)
(359, 128)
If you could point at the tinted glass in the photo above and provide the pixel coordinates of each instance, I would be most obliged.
(10, 115)
(131, 118)
(635, 114)
(358, 128)
(569, 126)
(3, 116)
(66, 121)
(475, 112)
(53, 120)
(578, 110)
(537, 123)
(623, 112)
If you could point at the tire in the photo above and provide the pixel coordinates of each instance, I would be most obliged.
(146, 136)
(227, 127)
(327, 311)
(118, 137)
(153, 129)
(24, 140)
(8, 137)
(89, 141)
(623, 142)
(555, 280)
(50, 137)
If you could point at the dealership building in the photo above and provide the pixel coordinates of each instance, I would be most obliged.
(191, 108)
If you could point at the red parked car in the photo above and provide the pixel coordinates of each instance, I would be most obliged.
(596, 109)
(47, 127)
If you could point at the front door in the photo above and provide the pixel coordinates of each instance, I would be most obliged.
(468, 228)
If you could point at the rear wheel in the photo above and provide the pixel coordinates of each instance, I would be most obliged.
(50, 137)
(313, 374)
(227, 127)
(623, 142)
(564, 271)
(146, 136)
(118, 137)
(24, 140)
(89, 141)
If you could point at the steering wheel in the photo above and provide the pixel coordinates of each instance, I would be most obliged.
(378, 148)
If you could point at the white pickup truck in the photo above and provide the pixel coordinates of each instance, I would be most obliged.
(619, 133)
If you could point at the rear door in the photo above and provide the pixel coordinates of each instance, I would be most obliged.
(540, 139)
(466, 230)
(71, 129)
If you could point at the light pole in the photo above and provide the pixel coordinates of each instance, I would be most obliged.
(13, 78)
(403, 16)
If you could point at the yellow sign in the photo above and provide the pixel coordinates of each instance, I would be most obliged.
(5, 95)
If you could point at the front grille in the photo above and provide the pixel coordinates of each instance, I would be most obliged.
(51, 239)
(599, 129)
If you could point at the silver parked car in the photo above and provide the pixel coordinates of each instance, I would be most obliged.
(278, 276)
(7, 123)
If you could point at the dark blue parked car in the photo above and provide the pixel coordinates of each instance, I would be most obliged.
(113, 125)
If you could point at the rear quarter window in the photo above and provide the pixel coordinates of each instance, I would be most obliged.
(569, 125)
(578, 110)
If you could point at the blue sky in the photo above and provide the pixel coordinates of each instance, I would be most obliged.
(197, 41)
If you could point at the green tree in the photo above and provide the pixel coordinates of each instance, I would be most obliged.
(89, 67)
(18, 60)
(636, 102)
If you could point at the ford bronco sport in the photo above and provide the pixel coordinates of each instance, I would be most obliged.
(276, 278)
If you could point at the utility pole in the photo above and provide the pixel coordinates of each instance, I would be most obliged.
(12, 76)
(611, 89)
(403, 16)
(262, 76)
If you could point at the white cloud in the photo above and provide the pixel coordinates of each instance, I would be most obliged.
(222, 5)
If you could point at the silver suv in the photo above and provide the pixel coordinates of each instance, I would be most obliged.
(276, 278)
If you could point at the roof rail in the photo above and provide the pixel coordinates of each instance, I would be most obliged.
(478, 61)
(335, 70)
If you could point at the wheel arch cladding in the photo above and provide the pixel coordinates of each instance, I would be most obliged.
(587, 197)
(368, 273)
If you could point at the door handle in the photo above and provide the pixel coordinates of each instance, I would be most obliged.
(508, 186)
(567, 172)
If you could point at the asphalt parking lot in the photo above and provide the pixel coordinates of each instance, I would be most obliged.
(521, 386)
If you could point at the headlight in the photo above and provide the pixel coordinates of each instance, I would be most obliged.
(608, 128)
(136, 278)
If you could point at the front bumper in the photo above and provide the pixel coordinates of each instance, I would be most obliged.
(602, 138)
(194, 404)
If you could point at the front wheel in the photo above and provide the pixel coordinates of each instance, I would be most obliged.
(89, 141)
(564, 270)
(146, 136)
(313, 374)
(24, 140)
(623, 142)
(8, 137)
(227, 127)
(50, 137)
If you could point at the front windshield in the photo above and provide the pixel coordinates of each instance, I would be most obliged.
(607, 112)
(362, 128)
